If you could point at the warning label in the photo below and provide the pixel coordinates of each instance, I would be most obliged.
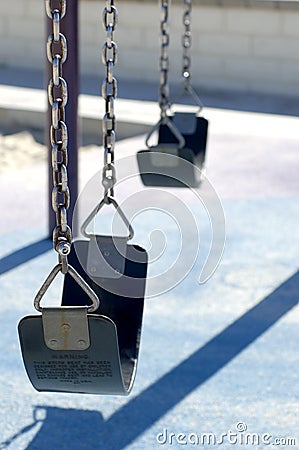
(72, 370)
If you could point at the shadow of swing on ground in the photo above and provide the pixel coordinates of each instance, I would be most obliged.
(60, 428)
(25, 254)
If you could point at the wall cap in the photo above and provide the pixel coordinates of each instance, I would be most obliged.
(262, 4)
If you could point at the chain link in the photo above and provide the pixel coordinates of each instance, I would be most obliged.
(164, 59)
(58, 95)
(109, 93)
(187, 40)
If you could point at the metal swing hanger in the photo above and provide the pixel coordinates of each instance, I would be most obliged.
(115, 269)
(58, 96)
(170, 163)
(187, 87)
(109, 94)
(69, 348)
(164, 101)
(192, 125)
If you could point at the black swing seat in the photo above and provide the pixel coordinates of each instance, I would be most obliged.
(168, 165)
(108, 364)
(121, 300)
(95, 370)
(194, 129)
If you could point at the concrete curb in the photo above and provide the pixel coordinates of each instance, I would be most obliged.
(23, 108)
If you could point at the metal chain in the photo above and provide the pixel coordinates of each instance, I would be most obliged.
(187, 40)
(164, 59)
(109, 93)
(57, 95)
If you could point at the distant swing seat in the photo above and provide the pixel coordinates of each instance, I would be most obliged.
(178, 159)
(194, 129)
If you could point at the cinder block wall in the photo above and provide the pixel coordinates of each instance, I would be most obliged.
(252, 46)
(22, 33)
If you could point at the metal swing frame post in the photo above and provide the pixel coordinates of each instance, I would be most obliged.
(70, 28)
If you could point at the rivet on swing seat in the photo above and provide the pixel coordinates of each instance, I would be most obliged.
(92, 370)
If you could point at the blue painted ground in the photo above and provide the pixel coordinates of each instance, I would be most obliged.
(215, 358)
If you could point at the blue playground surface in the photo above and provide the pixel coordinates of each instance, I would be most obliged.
(218, 363)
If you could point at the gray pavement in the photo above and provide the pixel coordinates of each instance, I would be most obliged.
(23, 104)
(219, 357)
(138, 90)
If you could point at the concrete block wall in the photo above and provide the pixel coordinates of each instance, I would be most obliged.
(252, 46)
(22, 33)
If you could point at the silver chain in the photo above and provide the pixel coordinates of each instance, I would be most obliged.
(164, 59)
(187, 40)
(57, 95)
(109, 93)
